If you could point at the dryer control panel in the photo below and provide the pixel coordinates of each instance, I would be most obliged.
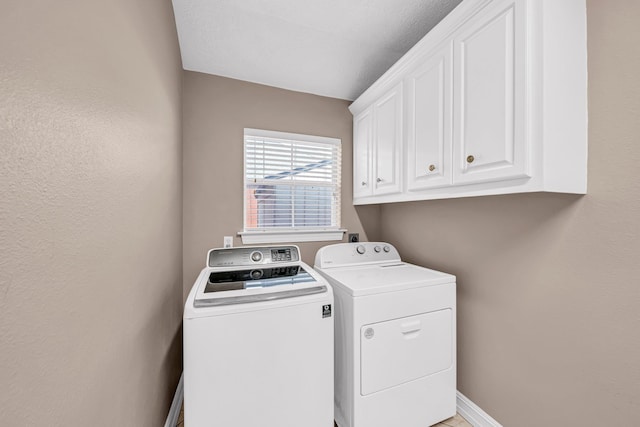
(251, 256)
(342, 254)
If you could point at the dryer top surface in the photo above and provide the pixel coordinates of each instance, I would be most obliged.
(384, 277)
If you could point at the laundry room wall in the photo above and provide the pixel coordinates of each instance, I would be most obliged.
(216, 110)
(548, 288)
(90, 212)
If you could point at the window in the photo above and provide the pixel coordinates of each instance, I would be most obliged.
(291, 187)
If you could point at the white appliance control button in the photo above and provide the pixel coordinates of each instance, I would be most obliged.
(387, 248)
(361, 249)
(377, 249)
(256, 256)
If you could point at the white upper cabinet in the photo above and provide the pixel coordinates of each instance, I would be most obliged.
(362, 154)
(429, 94)
(387, 142)
(491, 101)
(377, 146)
(490, 142)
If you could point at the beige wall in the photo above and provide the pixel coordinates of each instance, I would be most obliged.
(216, 110)
(549, 284)
(90, 212)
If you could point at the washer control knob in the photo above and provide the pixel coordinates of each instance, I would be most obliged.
(361, 249)
(256, 274)
(256, 256)
(377, 249)
(386, 248)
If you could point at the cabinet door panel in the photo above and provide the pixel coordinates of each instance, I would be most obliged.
(362, 154)
(429, 122)
(387, 142)
(489, 138)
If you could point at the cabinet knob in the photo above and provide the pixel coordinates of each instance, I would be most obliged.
(432, 168)
(379, 180)
(470, 159)
(363, 183)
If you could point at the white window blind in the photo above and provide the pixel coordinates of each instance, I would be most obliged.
(292, 182)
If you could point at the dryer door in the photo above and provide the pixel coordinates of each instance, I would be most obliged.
(401, 350)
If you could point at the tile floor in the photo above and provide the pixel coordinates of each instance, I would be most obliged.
(456, 421)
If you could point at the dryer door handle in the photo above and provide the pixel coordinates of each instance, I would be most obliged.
(410, 327)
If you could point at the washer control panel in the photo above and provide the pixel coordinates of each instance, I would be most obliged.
(281, 254)
(249, 256)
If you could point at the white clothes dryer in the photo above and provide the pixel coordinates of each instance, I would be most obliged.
(258, 341)
(395, 337)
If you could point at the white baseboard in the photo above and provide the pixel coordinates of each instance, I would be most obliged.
(174, 411)
(473, 413)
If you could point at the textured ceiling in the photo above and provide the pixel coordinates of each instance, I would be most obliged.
(333, 48)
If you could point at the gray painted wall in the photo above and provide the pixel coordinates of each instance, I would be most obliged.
(90, 212)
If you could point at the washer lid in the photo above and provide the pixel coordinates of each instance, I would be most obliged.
(250, 286)
(386, 277)
(223, 286)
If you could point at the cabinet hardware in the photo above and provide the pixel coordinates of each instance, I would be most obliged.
(470, 159)
(379, 180)
(432, 168)
(364, 183)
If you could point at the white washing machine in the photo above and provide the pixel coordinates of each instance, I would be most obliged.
(258, 342)
(395, 337)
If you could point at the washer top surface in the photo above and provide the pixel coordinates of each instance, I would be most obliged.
(375, 271)
(252, 278)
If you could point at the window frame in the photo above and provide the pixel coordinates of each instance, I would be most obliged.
(288, 234)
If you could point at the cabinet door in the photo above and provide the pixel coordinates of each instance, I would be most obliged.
(362, 139)
(387, 136)
(429, 122)
(490, 143)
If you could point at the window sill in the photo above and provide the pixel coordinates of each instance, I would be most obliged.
(290, 236)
